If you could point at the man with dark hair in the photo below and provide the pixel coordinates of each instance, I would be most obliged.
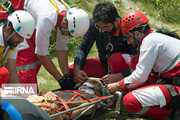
(105, 31)
(48, 15)
(20, 25)
(107, 15)
(158, 53)
(12, 33)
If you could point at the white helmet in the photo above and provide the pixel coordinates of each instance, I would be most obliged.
(23, 23)
(78, 22)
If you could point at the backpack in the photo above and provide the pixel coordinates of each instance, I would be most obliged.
(169, 33)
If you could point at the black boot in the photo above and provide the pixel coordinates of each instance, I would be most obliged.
(175, 115)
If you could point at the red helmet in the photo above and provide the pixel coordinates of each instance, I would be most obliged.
(132, 20)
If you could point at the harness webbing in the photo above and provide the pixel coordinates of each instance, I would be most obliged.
(7, 9)
(46, 106)
(56, 6)
(77, 93)
(171, 90)
(4, 55)
(64, 103)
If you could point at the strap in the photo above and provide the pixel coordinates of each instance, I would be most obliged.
(7, 7)
(70, 100)
(64, 104)
(64, 4)
(1, 53)
(5, 55)
(174, 60)
(46, 106)
(56, 6)
(171, 90)
(1, 102)
(26, 2)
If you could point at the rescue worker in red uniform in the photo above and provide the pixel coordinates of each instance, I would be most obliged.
(20, 25)
(160, 53)
(49, 15)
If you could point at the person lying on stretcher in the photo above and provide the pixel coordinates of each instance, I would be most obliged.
(90, 91)
(51, 103)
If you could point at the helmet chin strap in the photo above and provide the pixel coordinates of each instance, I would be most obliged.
(138, 39)
(10, 36)
(7, 38)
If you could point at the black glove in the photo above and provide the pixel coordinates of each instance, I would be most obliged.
(66, 82)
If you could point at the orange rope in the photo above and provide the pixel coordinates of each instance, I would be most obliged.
(65, 104)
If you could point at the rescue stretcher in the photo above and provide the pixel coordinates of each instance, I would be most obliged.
(94, 104)
(80, 105)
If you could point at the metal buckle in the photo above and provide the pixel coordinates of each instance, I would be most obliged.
(8, 5)
(159, 81)
(176, 81)
(109, 47)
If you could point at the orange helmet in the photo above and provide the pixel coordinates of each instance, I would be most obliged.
(132, 20)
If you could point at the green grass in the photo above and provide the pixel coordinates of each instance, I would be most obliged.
(46, 81)
(153, 12)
